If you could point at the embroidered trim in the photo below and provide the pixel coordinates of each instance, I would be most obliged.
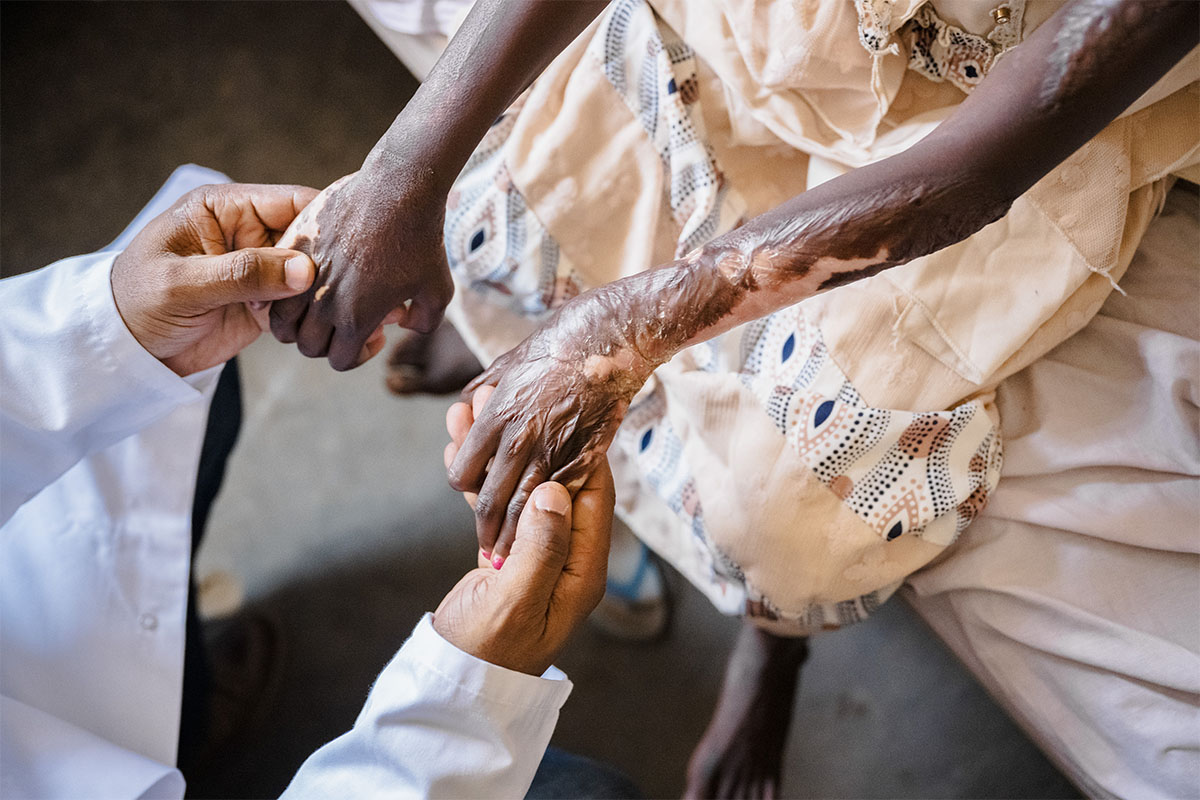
(935, 48)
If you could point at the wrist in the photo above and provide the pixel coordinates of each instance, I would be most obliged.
(419, 150)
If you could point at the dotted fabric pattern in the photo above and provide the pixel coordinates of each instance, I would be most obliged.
(654, 71)
(903, 472)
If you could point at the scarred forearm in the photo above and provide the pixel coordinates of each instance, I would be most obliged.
(1040, 103)
(560, 395)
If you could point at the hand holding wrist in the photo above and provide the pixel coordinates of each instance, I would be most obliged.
(191, 287)
(520, 616)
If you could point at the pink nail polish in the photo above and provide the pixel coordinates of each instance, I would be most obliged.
(486, 554)
(498, 562)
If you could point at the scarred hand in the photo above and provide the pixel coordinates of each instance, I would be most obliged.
(558, 400)
(376, 239)
(520, 616)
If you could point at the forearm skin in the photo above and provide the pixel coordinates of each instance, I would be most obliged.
(1041, 102)
(501, 47)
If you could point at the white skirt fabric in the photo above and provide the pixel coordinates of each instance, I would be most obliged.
(1075, 596)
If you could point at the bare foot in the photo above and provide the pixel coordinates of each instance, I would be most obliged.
(434, 363)
(739, 755)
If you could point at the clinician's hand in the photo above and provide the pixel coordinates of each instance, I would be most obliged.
(521, 615)
(194, 286)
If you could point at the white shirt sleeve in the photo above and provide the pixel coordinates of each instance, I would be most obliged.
(440, 723)
(73, 379)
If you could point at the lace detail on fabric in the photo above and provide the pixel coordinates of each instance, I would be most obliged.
(654, 71)
(875, 25)
(942, 52)
(935, 48)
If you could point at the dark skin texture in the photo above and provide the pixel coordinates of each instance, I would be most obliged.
(561, 394)
(740, 752)
(377, 238)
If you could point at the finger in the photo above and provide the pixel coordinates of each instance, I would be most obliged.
(458, 424)
(508, 467)
(586, 569)
(540, 550)
(261, 311)
(470, 497)
(425, 312)
(470, 466)
(250, 205)
(314, 335)
(261, 273)
(372, 346)
(346, 349)
(479, 400)
(535, 475)
(286, 316)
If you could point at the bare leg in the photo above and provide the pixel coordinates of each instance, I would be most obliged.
(435, 363)
(740, 753)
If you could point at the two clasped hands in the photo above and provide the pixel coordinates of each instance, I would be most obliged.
(207, 277)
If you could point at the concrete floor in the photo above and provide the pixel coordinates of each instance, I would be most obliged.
(336, 517)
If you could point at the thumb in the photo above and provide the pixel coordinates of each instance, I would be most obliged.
(539, 552)
(260, 273)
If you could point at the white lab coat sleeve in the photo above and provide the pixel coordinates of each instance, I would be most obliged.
(439, 723)
(73, 379)
(46, 757)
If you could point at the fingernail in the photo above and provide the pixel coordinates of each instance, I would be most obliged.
(487, 554)
(498, 562)
(297, 272)
(259, 305)
(552, 500)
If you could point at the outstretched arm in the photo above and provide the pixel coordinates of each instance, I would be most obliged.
(376, 236)
(562, 393)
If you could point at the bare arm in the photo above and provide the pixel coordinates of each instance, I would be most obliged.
(561, 394)
(376, 236)
(1042, 102)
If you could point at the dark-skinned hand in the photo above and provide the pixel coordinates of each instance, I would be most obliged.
(559, 398)
(194, 284)
(520, 616)
(377, 245)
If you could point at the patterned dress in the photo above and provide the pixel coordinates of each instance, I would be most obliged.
(752, 462)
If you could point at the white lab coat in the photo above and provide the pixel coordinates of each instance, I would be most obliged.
(99, 445)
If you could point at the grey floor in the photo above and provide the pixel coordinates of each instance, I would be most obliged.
(336, 519)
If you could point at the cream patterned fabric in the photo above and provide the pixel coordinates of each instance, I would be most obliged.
(796, 469)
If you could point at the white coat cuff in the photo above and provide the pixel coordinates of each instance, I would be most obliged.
(120, 352)
(427, 650)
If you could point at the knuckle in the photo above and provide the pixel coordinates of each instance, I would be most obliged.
(458, 480)
(514, 446)
(485, 508)
(240, 268)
